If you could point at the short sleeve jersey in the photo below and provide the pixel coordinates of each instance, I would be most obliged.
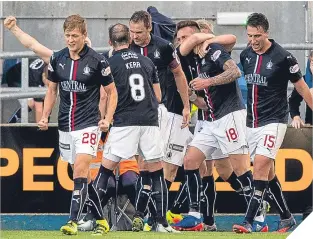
(221, 99)
(162, 53)
(174, 101)
(79, 83)
(134, 76)
(267, 77)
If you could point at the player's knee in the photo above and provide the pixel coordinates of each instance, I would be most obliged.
(261, 167)
(203, 170)
(224, 173)
(170, 172)
(81, 167)
(209, 168)
(154, 165)
(240, 161)
(193, 159)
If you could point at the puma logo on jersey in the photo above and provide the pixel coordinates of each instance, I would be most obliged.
(248, 60)
(62, 65)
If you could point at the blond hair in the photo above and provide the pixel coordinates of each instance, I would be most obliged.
(204, 24)
(75, 21)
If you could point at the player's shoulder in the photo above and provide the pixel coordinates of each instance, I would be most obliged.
(57, 55)
(93, 54)
(145, 59)
(160, 42)
(247, 50)
(215, 50)
(280, 52)
(216, 46)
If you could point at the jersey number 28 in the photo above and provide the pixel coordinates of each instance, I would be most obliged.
(136, 83)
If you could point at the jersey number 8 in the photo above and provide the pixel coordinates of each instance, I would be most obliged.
(137, 87)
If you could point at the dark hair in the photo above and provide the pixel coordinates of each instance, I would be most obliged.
(187, 23)
(142, 16)
(258, 20)
(119, 34)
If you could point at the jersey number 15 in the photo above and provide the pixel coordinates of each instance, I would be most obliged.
(136, 83)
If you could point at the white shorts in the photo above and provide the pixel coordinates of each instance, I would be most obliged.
(125, 142)
(84, 141)
(266, 140)
(217, 153)
(227, 134)
(163, 121)
(177, 140)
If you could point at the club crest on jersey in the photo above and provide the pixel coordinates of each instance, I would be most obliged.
(106, 71)
(157, 54)
(86, 70)
(269, 65)
(294, 69)
(216, 55)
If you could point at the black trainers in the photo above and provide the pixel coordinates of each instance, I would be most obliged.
(286, 224)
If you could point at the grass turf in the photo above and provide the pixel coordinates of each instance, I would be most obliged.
(140, 235)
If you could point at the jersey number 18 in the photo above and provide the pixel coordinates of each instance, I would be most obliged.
(136, 83)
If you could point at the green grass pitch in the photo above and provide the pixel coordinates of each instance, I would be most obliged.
(140, 235)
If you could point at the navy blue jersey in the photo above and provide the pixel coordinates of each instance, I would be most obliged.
(174, 102)
(163, 54)
(267, 77)
(79, 83)
(134, 76)
(221, 99)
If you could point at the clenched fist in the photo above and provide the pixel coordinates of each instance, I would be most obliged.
(104, 125)
(43, 124)
(10, 22)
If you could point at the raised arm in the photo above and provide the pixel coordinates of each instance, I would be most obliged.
(227, 41)
(28, 41)
(191, 42)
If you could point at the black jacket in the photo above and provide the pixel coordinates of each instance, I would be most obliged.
(294, 104)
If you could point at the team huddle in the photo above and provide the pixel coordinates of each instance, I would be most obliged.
(140, 92)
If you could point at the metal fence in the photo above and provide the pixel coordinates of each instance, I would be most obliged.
(25, 91)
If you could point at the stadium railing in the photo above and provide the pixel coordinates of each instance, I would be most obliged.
(25, 91)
